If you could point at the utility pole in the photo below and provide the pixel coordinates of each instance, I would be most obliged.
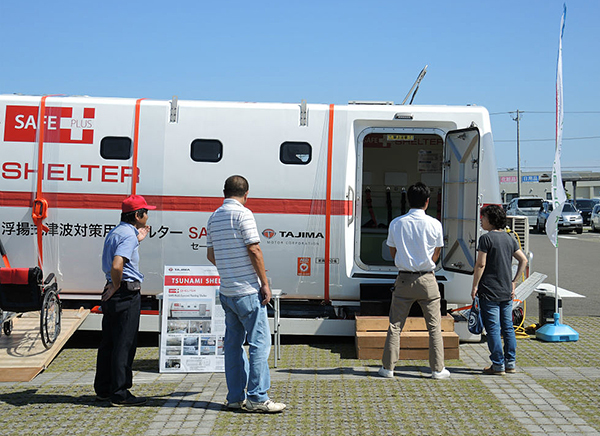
(517, 119)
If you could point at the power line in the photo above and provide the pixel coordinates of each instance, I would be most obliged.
(547, 140)
(574, 169)
(544, 112)
(564, 167)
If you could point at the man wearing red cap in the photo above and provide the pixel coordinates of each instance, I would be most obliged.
(121, 303)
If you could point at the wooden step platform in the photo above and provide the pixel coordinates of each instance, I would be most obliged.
(22, 354)
(371, 332)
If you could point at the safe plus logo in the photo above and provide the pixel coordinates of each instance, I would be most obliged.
(64, 125)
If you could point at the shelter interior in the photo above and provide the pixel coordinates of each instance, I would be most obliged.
(390, 164)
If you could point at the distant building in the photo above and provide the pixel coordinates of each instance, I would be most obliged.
(578, 184)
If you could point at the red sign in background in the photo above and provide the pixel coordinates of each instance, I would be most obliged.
(192, 280)
(304, 266)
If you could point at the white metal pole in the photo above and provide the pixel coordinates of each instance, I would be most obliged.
(556, 285)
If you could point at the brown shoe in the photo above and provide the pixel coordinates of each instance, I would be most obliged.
(491, 371)
(510, 370)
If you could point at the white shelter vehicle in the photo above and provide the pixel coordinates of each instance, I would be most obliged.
(325, 181)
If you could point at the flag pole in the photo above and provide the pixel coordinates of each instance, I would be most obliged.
(556, 284)
(557, 332)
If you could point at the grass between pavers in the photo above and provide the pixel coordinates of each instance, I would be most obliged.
(322, 355)
(397, 406)
(84, 359)
(332, 355)
(530, 352)
(73, 409)
(584, 352)
(583, 397)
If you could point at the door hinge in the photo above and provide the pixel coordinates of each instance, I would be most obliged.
(174, 110)
(303, 114)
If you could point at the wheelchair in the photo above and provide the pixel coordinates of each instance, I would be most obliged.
(24, 290)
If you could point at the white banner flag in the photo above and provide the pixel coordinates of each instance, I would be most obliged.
(558, 192)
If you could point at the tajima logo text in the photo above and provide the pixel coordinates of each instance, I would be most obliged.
(270, 233)
(308, 235)
(64, 125)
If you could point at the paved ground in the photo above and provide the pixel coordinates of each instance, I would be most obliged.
(578, 260)
(555, 392)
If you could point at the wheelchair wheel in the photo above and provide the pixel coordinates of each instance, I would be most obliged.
(7, 327)
(50, 318)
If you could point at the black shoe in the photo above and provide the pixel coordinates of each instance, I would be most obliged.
(131, 400)
(102, 398)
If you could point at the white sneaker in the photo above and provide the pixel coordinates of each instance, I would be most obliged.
(444, 373)
(268, 406)
(387, 373)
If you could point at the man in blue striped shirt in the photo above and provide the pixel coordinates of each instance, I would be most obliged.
(234, 248)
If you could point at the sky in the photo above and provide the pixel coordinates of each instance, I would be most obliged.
(501, 55)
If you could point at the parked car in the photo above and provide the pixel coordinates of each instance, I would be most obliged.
(525, 206)
(595, 218)
(569, 220)
(585, 206)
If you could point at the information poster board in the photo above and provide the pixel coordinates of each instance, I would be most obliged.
(193, 321)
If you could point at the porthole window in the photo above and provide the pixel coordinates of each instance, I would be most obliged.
(116, 147)
(295, 153)
(206, 150)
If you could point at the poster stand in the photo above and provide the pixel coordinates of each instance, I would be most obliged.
(192, 321)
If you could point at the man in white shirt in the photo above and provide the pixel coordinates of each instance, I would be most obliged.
(234, 248)
(415, 241)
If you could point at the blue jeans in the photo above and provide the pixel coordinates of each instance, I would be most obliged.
(497, 318)
(246, 318)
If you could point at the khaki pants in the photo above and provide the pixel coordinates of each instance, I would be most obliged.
(408, 289)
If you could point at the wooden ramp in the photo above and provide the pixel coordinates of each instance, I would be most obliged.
(22, 354)
(371, 332)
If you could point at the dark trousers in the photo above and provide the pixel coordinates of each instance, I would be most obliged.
(120, 324)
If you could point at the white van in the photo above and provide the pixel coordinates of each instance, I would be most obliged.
(525, 206)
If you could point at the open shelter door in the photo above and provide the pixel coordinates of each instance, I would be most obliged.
(461, 199)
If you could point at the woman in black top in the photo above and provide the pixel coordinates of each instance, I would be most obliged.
(494, 283)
